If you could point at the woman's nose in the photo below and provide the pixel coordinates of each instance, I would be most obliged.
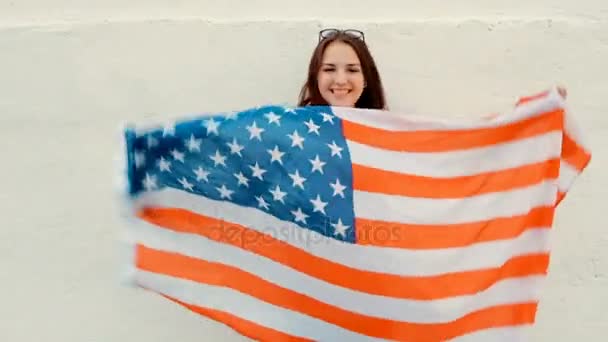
(341, 77)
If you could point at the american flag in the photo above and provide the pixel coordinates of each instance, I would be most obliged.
(327, 224)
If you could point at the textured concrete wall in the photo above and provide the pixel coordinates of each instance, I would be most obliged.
(71, 73)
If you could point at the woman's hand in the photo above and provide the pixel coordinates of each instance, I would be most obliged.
(562, 91)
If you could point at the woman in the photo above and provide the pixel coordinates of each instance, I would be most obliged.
(342, 73)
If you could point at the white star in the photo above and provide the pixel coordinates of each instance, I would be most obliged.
(232, 115)
(168, 129)
(318, 204)
(335, 149)
(299, 215)
(290, 110)
(242, 179)
(235, 148)
(224, 192)
(297, 179)
(261, 202)
(338, 188)
(278, 195)
(327, 117)
(340, 228)
(140, 159)
(317, 164)
(257, 171)
(312, 127)
(184, 182)
(255, 131)
(152, 141)
(149, 182)
(272, 117)
(296, 139)
(193, 144)
(218, 158)
(212, 126)
(276, 155)
(164, 165)
(177, 155)
(201, 174)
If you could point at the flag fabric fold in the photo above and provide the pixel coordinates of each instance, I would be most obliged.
(327, 224)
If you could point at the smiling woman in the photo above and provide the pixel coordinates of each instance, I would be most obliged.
(342, 73)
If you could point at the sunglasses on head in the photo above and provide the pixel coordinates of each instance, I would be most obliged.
(330, 32)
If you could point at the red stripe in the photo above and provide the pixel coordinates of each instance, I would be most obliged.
(574, 154)
(533, 97)
(452, 140)
(394, 183)
(391, 234)
(242, 326)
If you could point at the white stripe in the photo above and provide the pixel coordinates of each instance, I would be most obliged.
(412, 210)
(248, 308)
(400, 121)
(463, 162)
(416, 311)
(567, 176)
(510, 334)
(398, 261)
(573, 130)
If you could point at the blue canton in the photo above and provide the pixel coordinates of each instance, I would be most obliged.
(292, 163)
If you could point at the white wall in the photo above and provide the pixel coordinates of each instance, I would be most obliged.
(70, 73)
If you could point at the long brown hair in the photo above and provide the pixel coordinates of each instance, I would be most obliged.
(373, 94)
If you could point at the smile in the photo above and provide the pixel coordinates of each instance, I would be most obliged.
(340, 91)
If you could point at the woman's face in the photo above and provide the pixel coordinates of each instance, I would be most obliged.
(340, 79)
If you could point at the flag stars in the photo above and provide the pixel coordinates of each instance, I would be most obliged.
(218, 159)
(312, 127)
(296, 140)
(151, 141)
(232, 115)
(335, 149)
(328, 118)
(235, 167)
(225, 192)
(242, 179)
(278, 195)
(338, 188)
(168, 129)
(164, 165)
(255, 131)
(299, 215)
(235, 148)
(177, 155)
(319, 205)
(257, 171)
(193, 144)
(297, 179)
(185, 184)
(262, 202)
(149, 182)
(212, 126)
(340, 228)
(276, 155)
(273, 118)
(201, 174)
(317, 164)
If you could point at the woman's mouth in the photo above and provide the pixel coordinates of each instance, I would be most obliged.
(340, 92)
